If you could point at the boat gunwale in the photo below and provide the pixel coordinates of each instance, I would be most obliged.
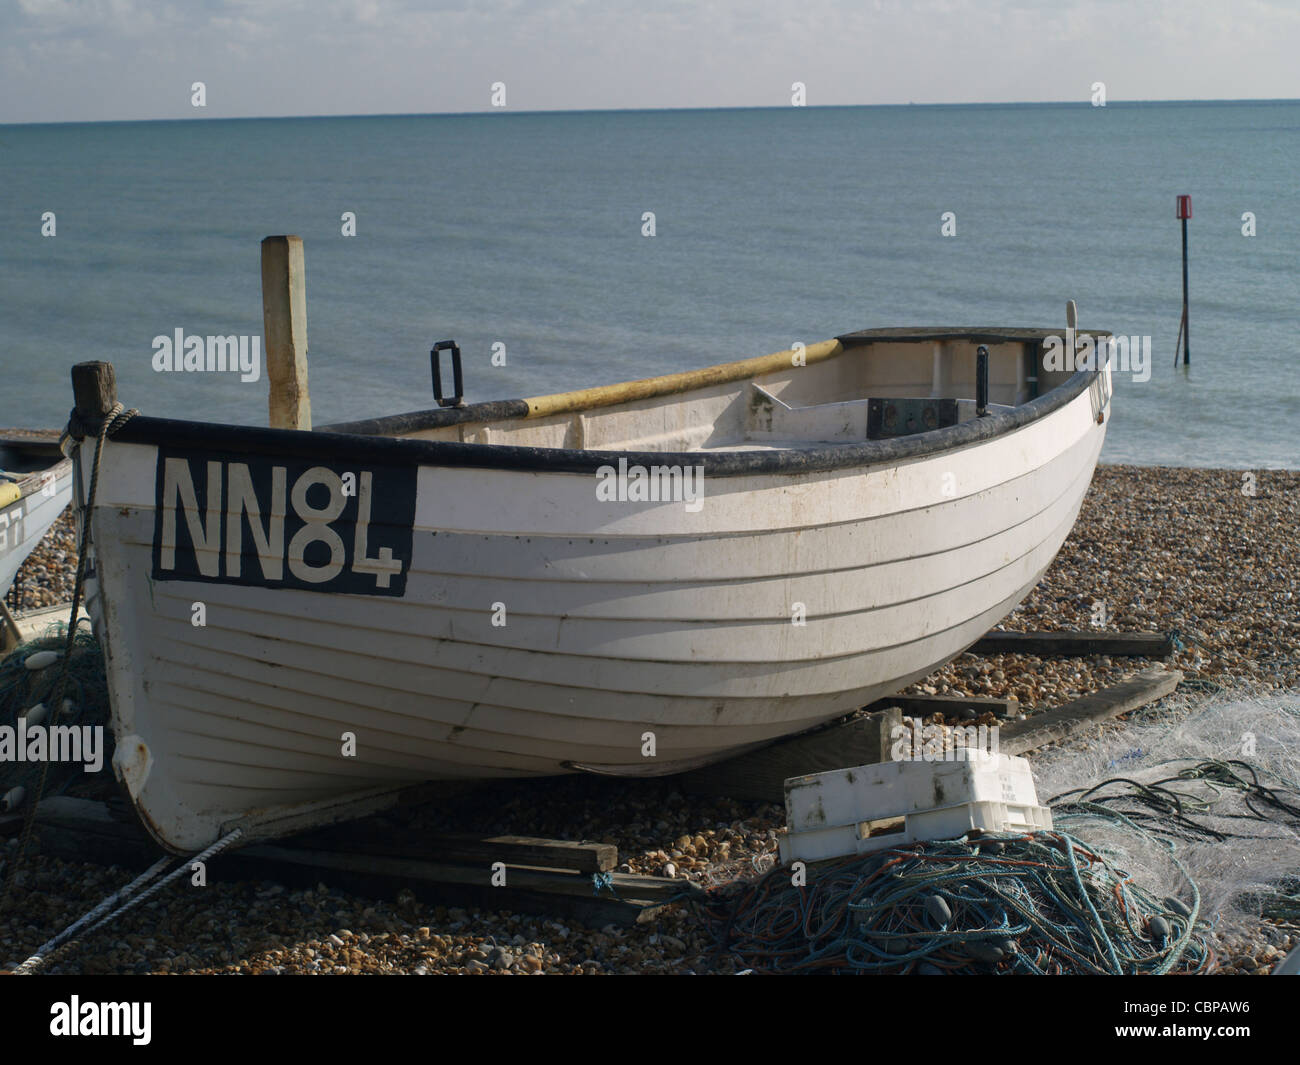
(41, 445)
(361, 440)
(33, 483)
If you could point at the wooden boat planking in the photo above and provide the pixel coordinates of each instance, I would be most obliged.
(626, 619)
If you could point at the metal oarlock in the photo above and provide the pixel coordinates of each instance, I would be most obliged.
(435, 364)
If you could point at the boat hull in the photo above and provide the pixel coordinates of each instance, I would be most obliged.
(537, 629)
(24, 521)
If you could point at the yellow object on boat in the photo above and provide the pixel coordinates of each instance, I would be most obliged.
(9, 493)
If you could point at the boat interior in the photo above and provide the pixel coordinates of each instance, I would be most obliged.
(872, 385)
(23, 462)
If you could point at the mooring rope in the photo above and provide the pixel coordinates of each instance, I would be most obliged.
(77, 429)
(127, 900)
(121, 893)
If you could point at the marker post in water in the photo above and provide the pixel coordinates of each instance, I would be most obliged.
(1184, 329)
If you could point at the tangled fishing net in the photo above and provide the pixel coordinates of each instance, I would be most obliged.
(1209, 788)
(83, 700)
(1185, 820)
(1041, 903)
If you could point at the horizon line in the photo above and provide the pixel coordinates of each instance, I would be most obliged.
(656, 110)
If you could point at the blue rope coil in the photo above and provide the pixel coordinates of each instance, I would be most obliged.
(1035, 903)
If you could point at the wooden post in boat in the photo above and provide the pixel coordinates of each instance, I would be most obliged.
(94, 390)
(284, 325)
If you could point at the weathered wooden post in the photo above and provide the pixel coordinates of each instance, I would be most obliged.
(94, 391)
(284, 326)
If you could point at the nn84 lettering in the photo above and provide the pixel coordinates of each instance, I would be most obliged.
(283, 524)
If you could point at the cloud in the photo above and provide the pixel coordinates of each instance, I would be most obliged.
(90, 59)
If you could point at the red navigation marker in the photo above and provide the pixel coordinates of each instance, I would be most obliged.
(1184, 329)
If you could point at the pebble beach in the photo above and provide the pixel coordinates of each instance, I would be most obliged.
(1212, 554)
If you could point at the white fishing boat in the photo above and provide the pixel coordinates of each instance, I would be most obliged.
(35, 487)
(635, 579)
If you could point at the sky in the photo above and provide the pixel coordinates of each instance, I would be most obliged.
(116, 60)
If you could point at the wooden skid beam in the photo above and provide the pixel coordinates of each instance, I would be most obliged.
(1071, 644)
(762, 774)
(371, 838)
(863, 741)
(81, 830)
(408, 870)
(925, 705)
(1076, 716)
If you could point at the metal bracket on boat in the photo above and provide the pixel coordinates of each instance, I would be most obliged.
(435, 364)
(981, 381)
(887, 418)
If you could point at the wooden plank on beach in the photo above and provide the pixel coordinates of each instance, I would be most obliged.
(925, 705)
(361, 876)
(1076, 716)
(83, 830)
(762, 774)
(581, 857)
(407, 870)
(378, 838)
(1072, 644)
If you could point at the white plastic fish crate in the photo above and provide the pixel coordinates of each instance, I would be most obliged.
(868, 808)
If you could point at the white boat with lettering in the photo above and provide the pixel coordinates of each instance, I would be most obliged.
(35, 487)
(635, 579)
